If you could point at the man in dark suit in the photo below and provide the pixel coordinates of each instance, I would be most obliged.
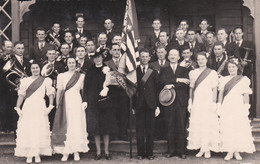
(180, 39)
(201, 35)
(90, 51)
(21, 63)
(145, 105)
(232, 49)
(83, 63)
(79, 31)
(118, 95)
(109, 30)
(5, 112)
(195, 46)
(153, 37)
(244, 46)
(55, 35)
(160, 130)
(38, 51)
(219, 59)
(187, 61)
(69, 39)
(102, 45)
(175, 76)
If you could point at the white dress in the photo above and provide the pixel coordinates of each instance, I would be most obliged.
(203, 126)
(236, 135)
(76, 137)
(33, 130)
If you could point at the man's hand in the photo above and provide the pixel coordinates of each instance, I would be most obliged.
(168, 86)
(157, 112)
(84, 106)
(133, 111)
(183, 80)
(244, 63)
(48, 110)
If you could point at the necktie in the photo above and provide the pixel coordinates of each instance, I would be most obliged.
(41, 46)
(143, 70)
(161, 63)
(173, 68)
(238, 43)
(21, 60)
(117, 63)
(218, 62)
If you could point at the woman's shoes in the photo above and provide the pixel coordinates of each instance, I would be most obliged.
(108, 157)
(229, 156)
(237, 156)
(200, 154)
(76, 156)
(29, 160)
(97, 157)
(37, 159)
(207, 154)
(64, 157)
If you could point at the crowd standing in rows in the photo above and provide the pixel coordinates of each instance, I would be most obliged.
(195, 82)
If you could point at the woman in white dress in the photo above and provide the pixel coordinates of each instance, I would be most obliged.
(33, 134)
(69, 135)
(203, 126)
(234, 90)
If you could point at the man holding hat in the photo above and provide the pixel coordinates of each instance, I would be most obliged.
(146, 106)
(175, 81)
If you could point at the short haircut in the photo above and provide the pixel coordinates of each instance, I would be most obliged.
(238, 28)
(219, 44)
(108, 19)
(113, 44)
(115, 36)
(183, 48)
(184, 20)
(204, 20)
(145, 50)
(18, 42)
(80, 16)
(191, 29)
(210, 32)
(55, 23)
(179, 29)
(90, 40)
(222, 29)
(157, 19)
(102, 33)
(40, 29)
(79, 47)
(64, 44)
(162, 32)
(5, 42)
(68, 32)
(160, 47)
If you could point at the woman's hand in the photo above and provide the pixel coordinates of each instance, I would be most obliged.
(219, 108)
(157, 111)
(84, 105)
(48, 110)
(168, 86)
(104, 92)
(189, 105)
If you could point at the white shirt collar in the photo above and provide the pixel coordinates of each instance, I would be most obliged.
(80, 29)
(163, 61)
(240, 42)
(142, 67)
(173, 66)
(157, 33)
(40, 43)
(219, 58)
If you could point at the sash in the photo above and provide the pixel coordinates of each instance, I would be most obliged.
(146, 76)
(201, 77)
(60, 121)
(34, 86)
(230, 84)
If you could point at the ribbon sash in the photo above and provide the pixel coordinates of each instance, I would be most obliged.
(230, 84)
(60, 122)
(146, 76)
(201, 77)
(34, 86)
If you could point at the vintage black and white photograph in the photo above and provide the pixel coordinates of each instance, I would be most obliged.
(130, 81)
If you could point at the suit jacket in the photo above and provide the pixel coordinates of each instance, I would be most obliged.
(77, 35)
(197, 48)
(212, 63)
(232, 49)
(156, 66)
(110, 36)
(150, 41)
(167, 76)
(86, 65)
(175, 44)
(111, 64)
(148, 92)
(40, 55)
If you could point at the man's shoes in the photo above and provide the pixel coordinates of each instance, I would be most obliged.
(97, 157)
(169, 155)
(150, 157)
(139, 157)
(108, 157)
(182, 156)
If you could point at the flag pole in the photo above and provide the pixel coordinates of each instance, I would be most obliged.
(130, 126)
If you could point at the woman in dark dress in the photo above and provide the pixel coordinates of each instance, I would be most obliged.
(101, 118)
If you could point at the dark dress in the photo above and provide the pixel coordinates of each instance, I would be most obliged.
(101, 117)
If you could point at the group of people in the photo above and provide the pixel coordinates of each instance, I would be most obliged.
(192, 91)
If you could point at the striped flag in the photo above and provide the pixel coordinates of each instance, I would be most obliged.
(130, 38)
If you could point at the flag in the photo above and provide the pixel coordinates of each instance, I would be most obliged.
(130, 37)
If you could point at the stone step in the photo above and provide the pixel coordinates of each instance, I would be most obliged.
(256, 131)
(255, 122)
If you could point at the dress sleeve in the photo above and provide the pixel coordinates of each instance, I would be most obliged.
(192, 78)
(214, 79)
(49, 89)
(60, 82)
(221, 84)
(245, 86)
(23, 87)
